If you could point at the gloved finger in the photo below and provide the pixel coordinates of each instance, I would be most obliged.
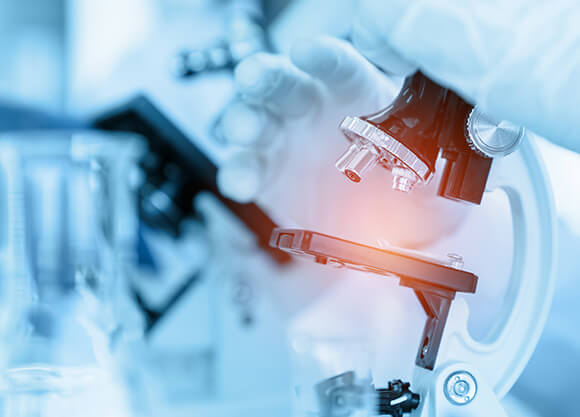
(246, 125)
(341, 68)
(240, 177)
(273, 82)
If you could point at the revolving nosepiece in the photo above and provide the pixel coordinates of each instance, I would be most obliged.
(426, 122)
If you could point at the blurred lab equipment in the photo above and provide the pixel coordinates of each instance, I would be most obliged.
(32, 37)
(187, 230)
(246, 35)
(69, 234)
(16, 117)
(175, 171)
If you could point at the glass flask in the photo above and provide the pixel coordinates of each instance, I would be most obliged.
(68, 232)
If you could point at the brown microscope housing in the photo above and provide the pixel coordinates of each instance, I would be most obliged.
(429, 120)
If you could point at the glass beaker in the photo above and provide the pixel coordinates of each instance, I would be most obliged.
(68, 228)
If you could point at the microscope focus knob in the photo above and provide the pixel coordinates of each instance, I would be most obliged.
(492, 138)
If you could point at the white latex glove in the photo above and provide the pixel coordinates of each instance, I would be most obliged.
(286, 126)
(517, 59)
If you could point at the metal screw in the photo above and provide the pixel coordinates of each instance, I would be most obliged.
(460, 388)
(455, 260)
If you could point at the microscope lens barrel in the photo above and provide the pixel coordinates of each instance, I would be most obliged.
(356, 161)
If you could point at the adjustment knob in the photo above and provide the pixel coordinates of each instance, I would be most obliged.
(492, 138)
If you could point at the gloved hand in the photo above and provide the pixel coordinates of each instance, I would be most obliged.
(286, 128)
(518, 59)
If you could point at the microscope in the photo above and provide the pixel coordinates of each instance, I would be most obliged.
(425, 122)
